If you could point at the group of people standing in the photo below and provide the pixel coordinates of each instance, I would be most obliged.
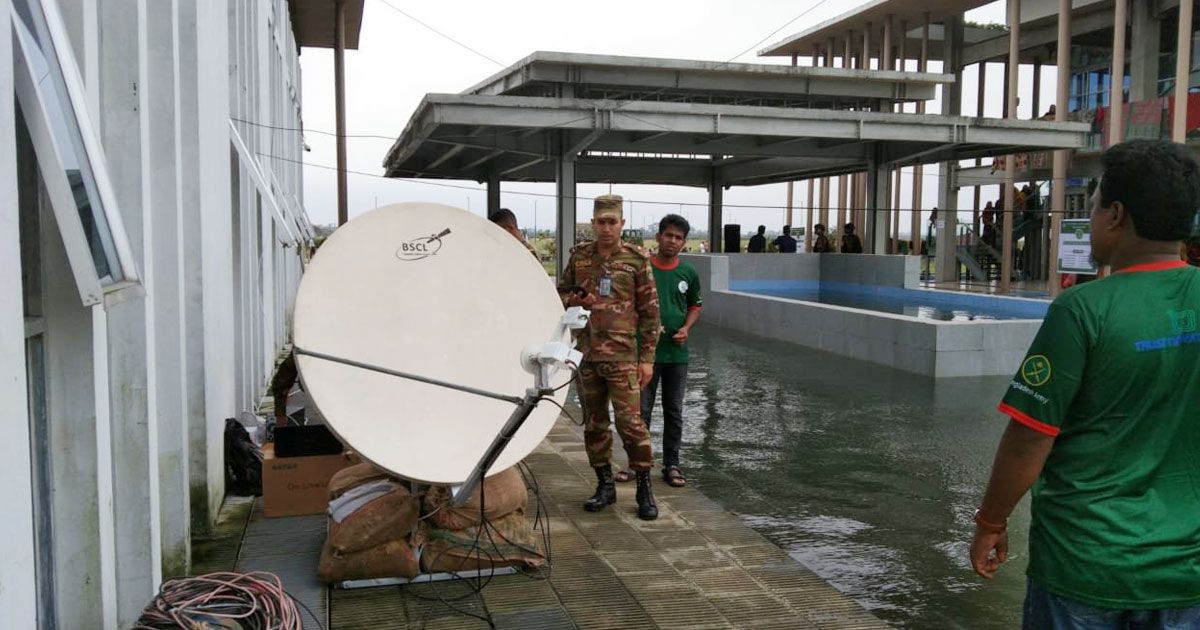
(786, 244)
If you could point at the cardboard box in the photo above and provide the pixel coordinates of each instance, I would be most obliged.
(295, 486)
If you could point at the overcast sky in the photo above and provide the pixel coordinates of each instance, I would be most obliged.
(399, 61)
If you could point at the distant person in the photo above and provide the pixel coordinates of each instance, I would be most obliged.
(1050, 113)
(821, 244)
(507, 220)
(851, 244)
(679, 303)
(784, 242)
(758, 242)
(614, 280)
(1104, 418)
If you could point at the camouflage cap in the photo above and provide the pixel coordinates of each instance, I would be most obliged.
(608, 205)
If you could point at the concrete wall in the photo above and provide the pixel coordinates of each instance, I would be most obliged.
(123, 463)
(922, 346)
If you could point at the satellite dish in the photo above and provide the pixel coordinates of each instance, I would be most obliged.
(411, 322)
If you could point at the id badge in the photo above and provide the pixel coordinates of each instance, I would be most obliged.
(605, 285)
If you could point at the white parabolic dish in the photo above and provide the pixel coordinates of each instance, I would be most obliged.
(386, 290)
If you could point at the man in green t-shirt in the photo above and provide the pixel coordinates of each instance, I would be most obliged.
(679, 308)
(1105, 423)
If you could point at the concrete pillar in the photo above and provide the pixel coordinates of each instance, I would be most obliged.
(1183, 47)
(848, 55)
(829, 52)
(131, 324)
(842, 204)
(875, 239)
(809, 221)
(216, 248)
(493, 193)
(1058, 185)
(565, 203)
(160, 104)
(716, 204)
(1116, 98)
(919, 170)
(1014, 66)
(1037, 90)
(823, 204)
(18, 573)
(866, 48)
(1144, 40)
(947, 219)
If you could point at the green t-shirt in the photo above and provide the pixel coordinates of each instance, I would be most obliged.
(678, 291)
(1114, 373)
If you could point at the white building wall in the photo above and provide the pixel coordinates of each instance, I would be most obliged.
(17, 573)
(137, 388)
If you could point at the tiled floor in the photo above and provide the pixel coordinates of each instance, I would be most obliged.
(697, 566)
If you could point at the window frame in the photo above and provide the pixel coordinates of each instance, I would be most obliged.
(37, 104)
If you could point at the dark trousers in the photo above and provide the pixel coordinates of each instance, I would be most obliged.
(673, 377)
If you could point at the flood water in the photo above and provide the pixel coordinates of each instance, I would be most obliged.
(868, 476)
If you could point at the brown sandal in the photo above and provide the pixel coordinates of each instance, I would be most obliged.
(674, 477)
(624, 475)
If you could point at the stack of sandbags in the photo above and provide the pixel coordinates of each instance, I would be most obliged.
(489, 531)
(373, 527)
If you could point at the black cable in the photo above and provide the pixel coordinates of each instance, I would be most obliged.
(396, 9)
(306, 130)
(320, 626)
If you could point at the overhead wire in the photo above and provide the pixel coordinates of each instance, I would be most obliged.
(441, 34)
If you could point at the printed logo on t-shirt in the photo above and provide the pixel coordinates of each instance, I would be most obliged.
(1182, 321)
(1036, 370)
(683, 286)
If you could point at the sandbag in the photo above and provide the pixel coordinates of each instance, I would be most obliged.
(388, 517)
(511, 542)
(394, 558)
(352, 476)
(504, 493)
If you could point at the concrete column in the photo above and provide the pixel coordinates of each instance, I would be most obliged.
(18, 574)
(1014, 66)
(1037, 90)
(1144, 41)
(1183, 47)
(1116, 98)
(866, 48)
(919, 170)
(980, 100)
(823, 204)
(1058, 186)
(894, 245)
(885, 53)
(160, 105)
(565, 204)
(493, 193)
(847, 55)
(131, 324)
(791, 185)
(716, 204)
(216, 248)
(875, 240)
(947, 225)
(809, 221)
(842, 204)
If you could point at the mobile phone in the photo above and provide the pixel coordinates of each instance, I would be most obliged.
(579, 291)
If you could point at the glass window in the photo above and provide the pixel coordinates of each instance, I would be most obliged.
(66, 127)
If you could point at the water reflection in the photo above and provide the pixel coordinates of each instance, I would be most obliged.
(867, 475)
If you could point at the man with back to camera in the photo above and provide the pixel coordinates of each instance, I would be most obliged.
(679, 303)
(758, 242)
(614, 280)
(1104, 415)
(784, 242)
(507, 220)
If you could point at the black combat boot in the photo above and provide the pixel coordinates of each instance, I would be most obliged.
(647, 508)
(606, 490)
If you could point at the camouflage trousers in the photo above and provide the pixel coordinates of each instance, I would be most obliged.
(616, 381)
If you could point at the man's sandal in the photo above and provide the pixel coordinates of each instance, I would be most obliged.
(623, 475)
(674, 477)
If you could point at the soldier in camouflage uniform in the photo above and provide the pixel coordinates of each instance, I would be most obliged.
(614, 280)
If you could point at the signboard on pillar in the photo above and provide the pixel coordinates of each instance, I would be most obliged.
(1075, 247)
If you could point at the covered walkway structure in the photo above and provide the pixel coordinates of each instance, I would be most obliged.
(579, 118)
